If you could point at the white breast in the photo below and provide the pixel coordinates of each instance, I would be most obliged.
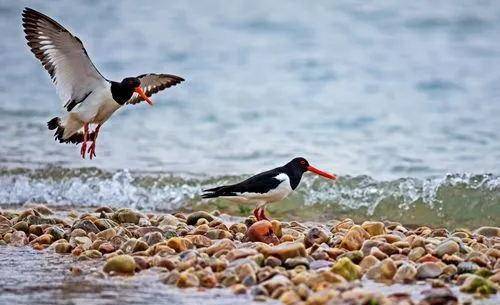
(97, 107)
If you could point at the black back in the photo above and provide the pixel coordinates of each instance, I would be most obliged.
(263, 182)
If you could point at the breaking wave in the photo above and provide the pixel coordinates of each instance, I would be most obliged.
(452, 200)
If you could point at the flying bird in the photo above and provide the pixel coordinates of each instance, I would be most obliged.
(87, 96)
(267, 187)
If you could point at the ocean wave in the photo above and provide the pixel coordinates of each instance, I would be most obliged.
(461, 199)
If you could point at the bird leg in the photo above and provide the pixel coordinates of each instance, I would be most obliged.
(262, 214)
(256, 213)
(85, 138)
(91, 150)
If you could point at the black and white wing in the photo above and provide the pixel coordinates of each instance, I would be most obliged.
(258, 184)
(152, 83)
(63, 56)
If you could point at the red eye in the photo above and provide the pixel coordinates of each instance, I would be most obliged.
(302, 162)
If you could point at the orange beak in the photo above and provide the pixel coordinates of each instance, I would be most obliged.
(321, 173)
(143, 95)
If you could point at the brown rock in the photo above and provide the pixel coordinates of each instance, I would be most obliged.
(262, 231)
(354, 238)
(179, 244)
(374, 227)
(285, 250)
(120, 264)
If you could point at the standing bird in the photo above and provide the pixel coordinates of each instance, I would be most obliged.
(270, 186)
(88, 97)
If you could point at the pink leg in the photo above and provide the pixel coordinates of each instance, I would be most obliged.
(91, 150)
(256, 213)
(262, 214)
(85, 138)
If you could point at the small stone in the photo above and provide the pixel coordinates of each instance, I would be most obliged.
(106, 234)
(315, 236)
(82, 241)
(105, 224)
(416, 253)
(92, 254)
(367, 262)
(467, 267)
(21, 226)
(438, 296)
(347, 269)
(476, 284)
(354, 238)
(291, 263)
(239, 289)
(44, 239)
(179, 244)
(56, 232)
(428, 270)
(141, 263)
(374, 228)
(61, 247)
(383, 271)
(200, 241)
(289, 297)
(120, 264)
(193, 217)
(240, 253)
(277, 228)
(106, 248)
(406, 273)
(187, 280)
(86, 225)
(18, 239)
(488, 231)
(238, 228)
(126, 215)
(153, 238)
(285, 250)
(78, 232)
(447, 247)
(262, 231)
(223, 244)
(272, 261)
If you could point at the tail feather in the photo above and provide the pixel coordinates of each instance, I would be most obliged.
(76, 138)
(217, 192)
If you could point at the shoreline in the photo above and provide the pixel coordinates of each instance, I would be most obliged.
(313, 263)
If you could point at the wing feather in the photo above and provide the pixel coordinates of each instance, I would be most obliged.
(63, 56)
(152, 83)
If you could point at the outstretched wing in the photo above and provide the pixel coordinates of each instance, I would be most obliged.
(63, 56)
(152, 83)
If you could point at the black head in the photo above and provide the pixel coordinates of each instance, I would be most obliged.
(299, 163)
(298, 166)
(130, 83)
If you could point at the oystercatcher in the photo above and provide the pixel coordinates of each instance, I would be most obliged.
(270, 186)
(88, 97)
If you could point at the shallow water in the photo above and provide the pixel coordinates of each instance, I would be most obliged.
(33, 277)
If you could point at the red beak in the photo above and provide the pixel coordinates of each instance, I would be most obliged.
(321, 173)
(143, 95)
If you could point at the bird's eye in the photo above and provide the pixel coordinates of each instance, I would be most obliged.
(302, 162)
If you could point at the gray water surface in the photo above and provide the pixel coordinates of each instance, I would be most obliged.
(386, 89)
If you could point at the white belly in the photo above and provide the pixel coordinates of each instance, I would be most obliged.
(97, 107)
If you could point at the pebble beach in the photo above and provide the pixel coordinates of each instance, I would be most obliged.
(202, 253)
